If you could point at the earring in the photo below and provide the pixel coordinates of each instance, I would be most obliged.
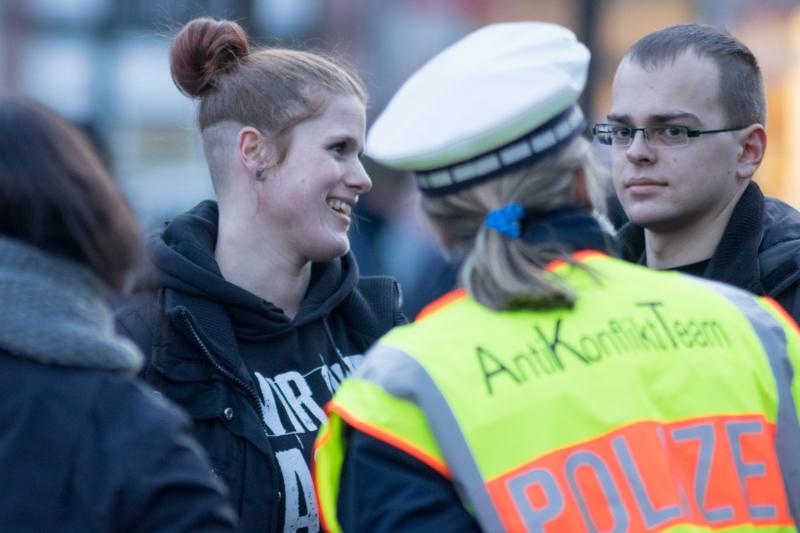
(259, 175)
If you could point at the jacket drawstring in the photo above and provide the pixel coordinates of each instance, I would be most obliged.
(339, 356)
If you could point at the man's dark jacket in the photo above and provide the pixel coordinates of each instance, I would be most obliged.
(759, 250)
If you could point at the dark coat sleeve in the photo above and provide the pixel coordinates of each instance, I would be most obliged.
(385, 490)
(140, 470)
(137, 319)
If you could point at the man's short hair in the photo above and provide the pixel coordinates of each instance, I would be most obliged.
(741, 87)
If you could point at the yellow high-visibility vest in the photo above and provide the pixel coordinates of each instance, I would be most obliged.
(659, 401)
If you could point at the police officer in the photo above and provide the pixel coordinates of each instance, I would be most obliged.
(561, 389)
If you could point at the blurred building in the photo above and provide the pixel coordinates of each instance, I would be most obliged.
(104, 64)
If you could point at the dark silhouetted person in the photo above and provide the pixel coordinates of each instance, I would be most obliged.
(83, 445)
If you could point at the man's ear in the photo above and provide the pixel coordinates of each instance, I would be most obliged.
(580, 190)
(251, 149)
(752, 146)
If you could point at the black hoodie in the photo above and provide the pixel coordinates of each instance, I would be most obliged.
(254, 380)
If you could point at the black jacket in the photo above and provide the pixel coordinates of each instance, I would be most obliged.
(89, 450)
(404, 496)
(759, 250)
(253, 380)
(84, 446)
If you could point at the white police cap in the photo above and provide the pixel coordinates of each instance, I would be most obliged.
(502, 97)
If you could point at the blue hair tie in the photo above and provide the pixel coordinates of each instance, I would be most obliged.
(506, 220)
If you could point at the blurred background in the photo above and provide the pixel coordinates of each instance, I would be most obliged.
(104, 64)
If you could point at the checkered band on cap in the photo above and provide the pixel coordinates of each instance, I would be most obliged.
(524, 151)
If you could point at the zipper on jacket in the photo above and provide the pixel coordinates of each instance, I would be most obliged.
(253, 394)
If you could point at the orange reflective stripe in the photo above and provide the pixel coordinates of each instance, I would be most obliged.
(719, 471)
(580, 255)
(322, 438)
(458, 294)
(390, 438)
(439, 303)
(782, 312)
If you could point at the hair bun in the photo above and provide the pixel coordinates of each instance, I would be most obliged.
(204, 48)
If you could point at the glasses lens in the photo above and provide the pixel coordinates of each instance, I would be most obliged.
(622, 135)
(602, 132)
(669, 136)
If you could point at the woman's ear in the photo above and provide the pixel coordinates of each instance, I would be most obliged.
(252, 151)
(580, 190)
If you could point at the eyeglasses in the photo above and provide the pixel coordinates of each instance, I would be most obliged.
(654, 136)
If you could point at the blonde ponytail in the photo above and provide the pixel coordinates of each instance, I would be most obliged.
(502, 272)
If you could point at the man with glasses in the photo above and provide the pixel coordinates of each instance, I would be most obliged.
(686, 131)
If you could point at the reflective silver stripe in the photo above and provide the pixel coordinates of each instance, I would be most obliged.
(773, 339)
(534, 142)
(404, 377)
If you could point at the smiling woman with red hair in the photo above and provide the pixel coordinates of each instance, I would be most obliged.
(262, 311)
